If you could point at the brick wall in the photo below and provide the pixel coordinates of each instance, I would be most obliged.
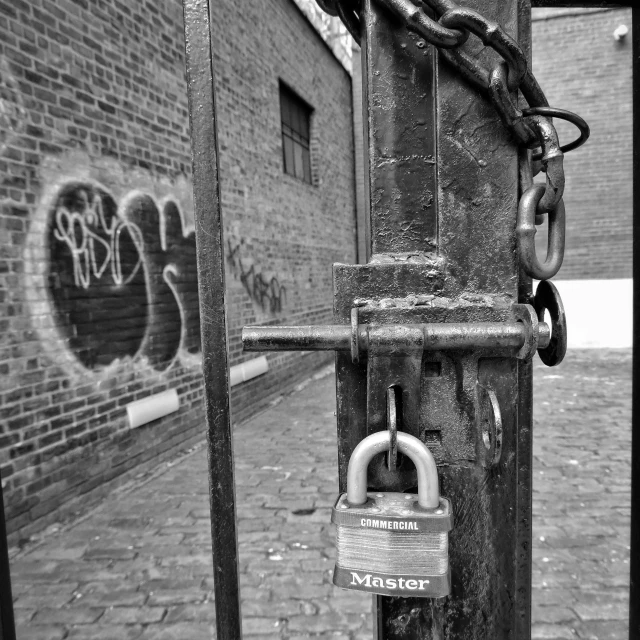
(581, 67)
(98, 299)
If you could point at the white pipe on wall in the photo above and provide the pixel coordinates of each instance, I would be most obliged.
(247, 370)
(152, 407)
(159, 405)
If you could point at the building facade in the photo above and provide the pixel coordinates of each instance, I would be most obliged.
(98, 283)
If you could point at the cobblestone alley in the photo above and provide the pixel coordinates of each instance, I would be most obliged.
(139, 566)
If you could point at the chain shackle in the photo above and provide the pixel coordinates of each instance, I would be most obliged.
(492, 35)
(552, 160)
(347, 11)
(530, 129)
(563, 114)
(509, 113)
(526, 231)
(418, 21)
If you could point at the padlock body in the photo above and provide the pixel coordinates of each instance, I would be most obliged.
(392, 546)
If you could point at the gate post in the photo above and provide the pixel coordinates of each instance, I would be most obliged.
(213, 317)
(443, 189)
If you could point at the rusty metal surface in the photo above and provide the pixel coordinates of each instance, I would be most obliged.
(440, 317)
(395, 339)
(473, 273)
(634, 592)
(524, 489)
(398, 91)
(211, 291)
(442, 312)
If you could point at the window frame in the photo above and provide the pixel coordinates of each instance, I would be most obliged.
(295, 129)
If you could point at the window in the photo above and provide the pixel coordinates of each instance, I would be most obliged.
(295, 115)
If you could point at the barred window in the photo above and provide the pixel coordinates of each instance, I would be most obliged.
(295, 115)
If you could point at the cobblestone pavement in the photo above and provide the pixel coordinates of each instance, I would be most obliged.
(582, 499)
(139, 565)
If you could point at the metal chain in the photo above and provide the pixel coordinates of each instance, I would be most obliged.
(532, 127)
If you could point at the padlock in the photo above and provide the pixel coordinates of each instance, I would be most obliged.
(393, 543)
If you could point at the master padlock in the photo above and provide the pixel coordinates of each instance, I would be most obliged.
(393, 543)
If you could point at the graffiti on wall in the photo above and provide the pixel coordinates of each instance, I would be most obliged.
(122, 277)
(263, 289)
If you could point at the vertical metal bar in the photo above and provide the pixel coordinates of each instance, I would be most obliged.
(429, 171)
(211, 288)
(7, 624)
(524, 465)
(634, 590)
(362, 216)
(399, 74)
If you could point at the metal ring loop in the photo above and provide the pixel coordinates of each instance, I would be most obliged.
(392, 426)
(526, 231)
(552, 160)
(547, 297)
(563, 114)
(492, 436)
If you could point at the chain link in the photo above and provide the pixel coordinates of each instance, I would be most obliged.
(532, 127)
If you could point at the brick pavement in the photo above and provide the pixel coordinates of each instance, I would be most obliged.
(582, 504)
(139, 565)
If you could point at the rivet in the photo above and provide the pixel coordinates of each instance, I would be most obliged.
(421, 44)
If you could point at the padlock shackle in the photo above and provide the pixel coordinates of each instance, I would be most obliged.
(428, 489)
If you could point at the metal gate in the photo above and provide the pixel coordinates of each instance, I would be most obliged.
(440, 325)
(434, 335)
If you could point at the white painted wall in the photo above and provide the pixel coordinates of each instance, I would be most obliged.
(599, 312)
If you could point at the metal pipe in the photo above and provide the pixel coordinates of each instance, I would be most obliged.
(299, 338)
(203, 119)
(436, 337)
